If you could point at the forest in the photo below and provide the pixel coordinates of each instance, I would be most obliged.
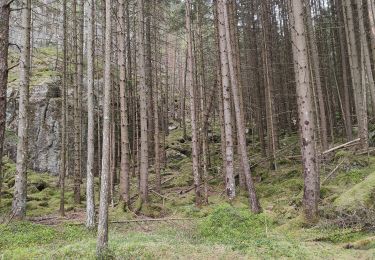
(187, 129)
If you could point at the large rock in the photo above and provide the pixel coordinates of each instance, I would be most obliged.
(44, 127)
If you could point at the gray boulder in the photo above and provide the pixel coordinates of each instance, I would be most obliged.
(44, 126)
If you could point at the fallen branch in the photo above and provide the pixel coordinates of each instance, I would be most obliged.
(193, 187)
(355, 141)
(152, 188)
(160, 195)
(369, 151)
(149, 220)
(332, 172)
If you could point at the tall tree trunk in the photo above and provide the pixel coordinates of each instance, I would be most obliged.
(203, 101)
(90, 198)
(355, 69)
(193, 109)
(225, 81)
(102, 244)
(253, 200)
(63, 114)
(4, 42)
(318, 83)
(220, 93)
(366, 65)
(124, 165)
(148, 68)
(305, 111)
(142, 105)
(269, 82)
(76, 169)
(345, 76)
(20, 191)
(371, 15)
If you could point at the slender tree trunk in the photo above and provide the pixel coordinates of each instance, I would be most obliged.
(63, 113)
(20, 191)
(371, 15)
(366, 65)
(143, 106)
(345, 76)
(203, 101)
(76, 170)
(4, 42)
(90, 198)
(305, 111)
(220, 93)
(268, 83)
(318, 84)
(102, 244)
(124, 165)
(355, 69)
(148, 19)
(253, 200)
(225, 81)
(193, 109)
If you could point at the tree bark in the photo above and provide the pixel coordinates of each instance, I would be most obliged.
(124, 165)
(63, 114)
(225, 81)
(305, 111)
(20, 191)
(355, 69)
(193, 109)
(253, 200)
(4, 42)
(318, 84)
(90, 198)
(143, 106)
(102, 244)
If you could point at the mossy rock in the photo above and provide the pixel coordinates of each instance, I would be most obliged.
(43, 204)
(6, 194)
(361, 194)
(33, 198)
(153, 210)
(11, 183)
(32, 189)
(40, 185)
(32, 205)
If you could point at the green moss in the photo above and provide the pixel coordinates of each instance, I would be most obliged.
(362, 194)
(25, 234)
(227, 223)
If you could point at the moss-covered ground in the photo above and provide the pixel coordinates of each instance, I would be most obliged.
(219, 230)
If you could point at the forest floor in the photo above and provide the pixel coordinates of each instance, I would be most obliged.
(219, 230)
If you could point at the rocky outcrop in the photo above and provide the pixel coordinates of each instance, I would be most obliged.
(44, 127)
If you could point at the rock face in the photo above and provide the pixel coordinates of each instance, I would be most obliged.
(44, 126)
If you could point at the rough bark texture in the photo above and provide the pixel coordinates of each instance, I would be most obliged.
(143, 105)
(305, 111)
(102, 244)
(63, 114)
(355, 69)
(225, 81)
(317, 82)
(20, 188)
(269, 84)
(90, 198)
(193, 109)
(4, 42)
(254, 203)
(124, 166)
